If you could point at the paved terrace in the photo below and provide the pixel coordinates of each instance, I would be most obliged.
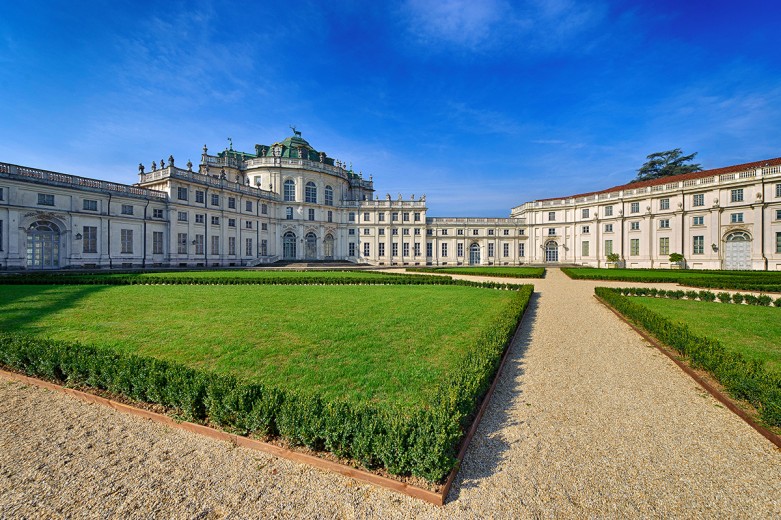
(587, 420)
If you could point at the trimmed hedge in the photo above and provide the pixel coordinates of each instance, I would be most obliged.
(742, 280)
(743, 378)
(706, 296)
(533, 272)
(421, 441)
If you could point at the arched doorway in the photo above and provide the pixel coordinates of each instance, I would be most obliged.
(328, 247)
(552, 251)
(43, 245)
(474, 254)
(289, 246)
(310, 249)
(737, 251)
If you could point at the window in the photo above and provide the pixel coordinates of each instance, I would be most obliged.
(232, 203)
(699, 245)
(311, 213)
(664, 203)
(405, 231)
(248, 247)
(505, 250)
(381, 217)
(199, 196)
(127, 209)
(490, 232)
(381, 249)
(157, 242)
(736, 218)
(460, 250)
(634, 247)
(181, 216)
(475, 232)
(551, 216)
(736, 195)
(264, 209)
(444, 232)
(351, 231)
(608, 228)
(215, 199)
(405, 249)
(329, 196)
(429, 249)
(394, 216)
(460, 232)
(698, 221)
(248, 205)
(416, 215)
(289, 213)
(586, 229)
(330, 216)
(778, 240)
(157, 213)
(310, 193)
(778, 214)
(231, 222)
(551, 231)
(181, 243)
(199, 244)
(351, 217)
(444, 249)
(200, 218)
(584, 248)
(264, 247)
(381, 232)
(215, 221)
(698, 199)
(506, 232)
(405, 216)
(608, 211)
(351, 249)
(664, 245)
(289, 191)
(90, 239)
(778, 190)
(181, 193)
(634, 207)
(664, 223)
(232, 246)
(1, 193)
(429, 232)
(365, 249)
(45, 199)
(215, 245)
(263, 226)
(491, 249)
(521, 249)
(247, 224)
(584, 213)
(366, 216)
(90, 205)
(417, 248)
(634, 226)
(126, 241)
(608, 247)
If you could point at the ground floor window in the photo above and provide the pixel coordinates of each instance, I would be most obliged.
(381, 249)
(394, 249)
(417, 249)
(157, 242)
(126, 241)
(522, 249)
(699, 245)
(664, 246)
(264, 247)
(215, 245)
(429, 249)
(608, 247)
(584, 248)
(181, 243)
(90, 244)
(405, 249)
(365, 249)
(778, 242)
(351, 249)
(505, 250)
(444, 249)
(232, 246)
(43, 245)
(460, 250)
(289, 245)
(634, 247)
(199, 244)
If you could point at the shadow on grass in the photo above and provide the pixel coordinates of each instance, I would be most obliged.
(487, 448)
(24, 306)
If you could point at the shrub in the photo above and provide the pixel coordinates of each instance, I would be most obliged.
(653, 292)
(724, 297)
(764, 300)
(737, 298)
(777, 303)
(707, 296)
(751, 299)
(692, 295)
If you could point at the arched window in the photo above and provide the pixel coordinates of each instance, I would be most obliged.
(290, 191)
(289, 245)
(311, 246)
(328, 247)
(310, 192)
(551, 252)
(43, 245)
(329, 196)
(474, 254)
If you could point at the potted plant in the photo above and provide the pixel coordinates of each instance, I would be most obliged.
(613, 261)
(676, 261)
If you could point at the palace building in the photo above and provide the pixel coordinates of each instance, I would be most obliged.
(290, 202)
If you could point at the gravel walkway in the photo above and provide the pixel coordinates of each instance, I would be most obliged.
(586, 421)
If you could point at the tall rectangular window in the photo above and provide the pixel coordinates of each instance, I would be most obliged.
(248, 247)
(90, 205)
(248, 205)
(634, 207)
(330, 216)
(584, 248)
(491, 250)
(584, 213)
(181, 243)
(698, 199)
(416, 249)
(127, 209)
(405, 249)
(778, 242)
(395, 216)
(405, 216)
(181, 193)
(231, 222)
(417, 214)
(199, 244)
(634, 247)
(381, 249)
(199, 196)
(289, 213)
(778, 190)
(429, 249)
(381, 217)
(699, 245)
(215, 245)
(264, 209)
(505, 250)
(44, 199)
(232, 246)
(231, 202)
(215, 199)
(664, 203)
(394, 249)
(736, 195)
(90, 239)
(311, 213)
(608, 247)
(1, 193)
(778, 214)
(264, 247)
(664, 246)
(366, 249)
(351, 217)
(126, 241)
(248, 224)
(366, 216)
(351, 249)
(522, 249)
(608, 211)
(444, 249)
(459, 250)
(551, 216)
(157, 242)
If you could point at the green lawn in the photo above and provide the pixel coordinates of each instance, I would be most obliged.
(751, 330)
(362, 342)
(224, 273)
(510, 272)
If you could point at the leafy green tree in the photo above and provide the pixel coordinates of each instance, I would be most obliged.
(665, 164)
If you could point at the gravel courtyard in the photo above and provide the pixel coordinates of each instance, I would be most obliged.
(587, 420)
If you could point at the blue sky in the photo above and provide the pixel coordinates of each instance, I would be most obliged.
(481, 105)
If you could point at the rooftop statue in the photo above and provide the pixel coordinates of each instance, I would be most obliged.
(140, 168)
(171, 160)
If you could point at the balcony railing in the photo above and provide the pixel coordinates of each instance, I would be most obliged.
(206, 180)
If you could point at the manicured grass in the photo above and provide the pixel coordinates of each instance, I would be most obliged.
(509, 272)
(751, 330)
(387, 343)
(225, 273)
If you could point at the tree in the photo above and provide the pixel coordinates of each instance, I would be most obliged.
(665, 164)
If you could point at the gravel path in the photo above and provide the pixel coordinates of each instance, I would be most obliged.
(586, 421)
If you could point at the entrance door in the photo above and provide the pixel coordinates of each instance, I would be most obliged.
(311, 246)
(552, 252)
(474, 254)
(328, 247)
(43, 245)
(289, 246)
(737, 251)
